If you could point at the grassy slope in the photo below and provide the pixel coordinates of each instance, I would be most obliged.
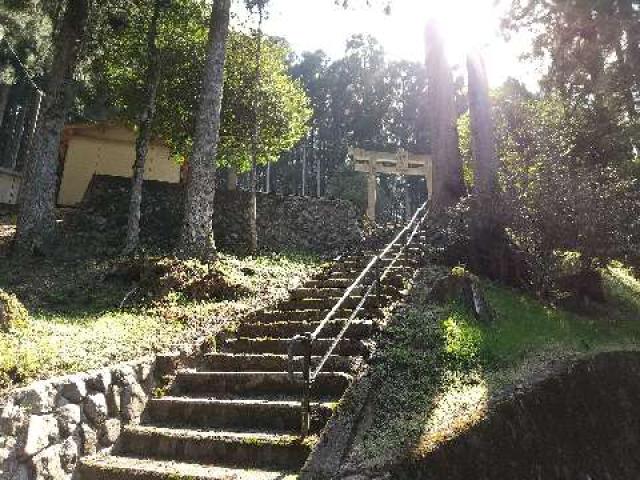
(438, 368)
(76, 324)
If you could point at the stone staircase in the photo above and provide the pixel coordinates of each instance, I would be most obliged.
(238, 415)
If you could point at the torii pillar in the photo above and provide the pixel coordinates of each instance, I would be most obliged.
(402, 163)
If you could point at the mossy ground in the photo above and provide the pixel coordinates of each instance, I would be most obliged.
(77, 323)
(438, 368)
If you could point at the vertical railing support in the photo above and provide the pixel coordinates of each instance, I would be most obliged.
(406, 255)
(306, 385)
(378, 280)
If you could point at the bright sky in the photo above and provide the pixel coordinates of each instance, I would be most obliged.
(468, 24)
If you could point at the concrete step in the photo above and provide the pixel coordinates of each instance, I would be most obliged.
(216, 413)
(230, 449)
(269, 362)
(103, 467)
(358, 329)
(346, 347)
(256, 384)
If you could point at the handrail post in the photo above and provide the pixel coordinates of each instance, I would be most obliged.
(306, 385)
(406, 253)
(376, 269)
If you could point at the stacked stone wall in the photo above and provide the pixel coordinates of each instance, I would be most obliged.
(285, 223)
(47, 427)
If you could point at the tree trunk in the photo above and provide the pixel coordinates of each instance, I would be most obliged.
(490, 250)
(268, 179)
(253, 246)
(483, 145)
(196, 238)
(15, 140)
(144, 134)
(232, 179)
(448, 184)
(304, 170)
(4, 99)
(36, 226)
(29, 129)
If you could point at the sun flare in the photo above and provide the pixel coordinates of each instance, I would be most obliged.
(466, 25)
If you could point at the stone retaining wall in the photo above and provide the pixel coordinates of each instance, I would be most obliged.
(320, 226)
(46, 427)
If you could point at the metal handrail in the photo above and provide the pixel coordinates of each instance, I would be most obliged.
(307, 339)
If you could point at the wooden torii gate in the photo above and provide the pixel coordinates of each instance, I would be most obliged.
(400, 163)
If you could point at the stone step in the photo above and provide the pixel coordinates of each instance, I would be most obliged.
(256, 384)
(103, 467)
(312, 315)
(328, 303)
(229, 449)
(320, 292)
(269, 362)
(332, 292)
(346, 347)
(341, 283)
(358, 329)
(218, 413)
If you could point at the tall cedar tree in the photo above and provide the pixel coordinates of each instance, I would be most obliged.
(488, 242)
(447, 163)
(36, 226)
(196, 239)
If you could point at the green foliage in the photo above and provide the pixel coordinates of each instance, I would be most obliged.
(554, 196)
(363, 100)
(593, 50)
(438, 367)
(119, 77)
(350, 185)
(13, 315)
(283, 112)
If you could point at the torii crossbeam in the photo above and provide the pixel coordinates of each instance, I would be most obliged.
(400, 163)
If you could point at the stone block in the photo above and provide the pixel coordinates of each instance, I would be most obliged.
(101, 381)
(74, 388)
(70, 453)
(38, 398)
(95, 408)
(113, 400)
(47, 464)
(42, 432)
(109, 432)
(69, 417)
(133, 400)
(13, 420)
(124, 375)
(88, 440)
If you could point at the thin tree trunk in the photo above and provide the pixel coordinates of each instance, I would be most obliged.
(36, 226)
(196, 238)
(304, 170)
(268, 179)
(4, 100)
(144, 136)
(448, 184)
(253, 247)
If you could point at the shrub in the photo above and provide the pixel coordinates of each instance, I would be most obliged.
(547, 211)
(13, 315)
